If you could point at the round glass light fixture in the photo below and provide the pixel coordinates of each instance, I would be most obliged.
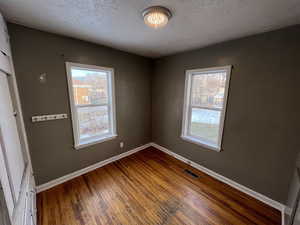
(156, 16)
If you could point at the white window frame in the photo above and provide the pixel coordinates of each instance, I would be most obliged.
(187, 107)
(111, 106)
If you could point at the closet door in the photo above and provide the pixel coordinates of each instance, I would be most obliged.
(4, 38)
(6, 190)
(5, 196)
(9, 139)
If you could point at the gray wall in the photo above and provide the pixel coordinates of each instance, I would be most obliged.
(262, 122)
(261, 126)
(51, 143)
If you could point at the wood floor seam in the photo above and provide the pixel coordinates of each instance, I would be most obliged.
(150, 188)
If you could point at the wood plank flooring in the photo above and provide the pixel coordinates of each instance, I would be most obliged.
(149, 188)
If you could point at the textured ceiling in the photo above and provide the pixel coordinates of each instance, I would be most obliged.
(118, 23)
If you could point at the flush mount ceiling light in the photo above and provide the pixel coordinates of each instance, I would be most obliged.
(156, 16)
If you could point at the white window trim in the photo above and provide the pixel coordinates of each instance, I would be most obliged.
(187, 102)
(112, 110)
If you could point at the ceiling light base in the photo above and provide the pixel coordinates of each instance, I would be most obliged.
(156, 16)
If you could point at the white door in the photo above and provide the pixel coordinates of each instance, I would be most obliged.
(4, 38)
(9, 139)
(5, 184)
(4, 215)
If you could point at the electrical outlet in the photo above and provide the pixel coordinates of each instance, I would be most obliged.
(121, 144)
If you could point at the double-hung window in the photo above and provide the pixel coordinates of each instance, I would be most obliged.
(91, 90)
(205, 100)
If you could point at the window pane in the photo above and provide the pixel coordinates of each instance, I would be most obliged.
(93, 121)
(208, 89)
(89, 87)
(205, 124)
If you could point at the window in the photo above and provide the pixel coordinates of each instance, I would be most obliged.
(91, 90)
(204, 106)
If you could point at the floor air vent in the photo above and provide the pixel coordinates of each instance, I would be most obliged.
(191, 173)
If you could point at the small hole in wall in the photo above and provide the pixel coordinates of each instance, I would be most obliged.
(43, 78)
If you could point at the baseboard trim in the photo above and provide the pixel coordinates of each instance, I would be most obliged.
(78, 173)
(248, 191)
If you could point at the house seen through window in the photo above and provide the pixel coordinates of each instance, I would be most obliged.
(92, 103)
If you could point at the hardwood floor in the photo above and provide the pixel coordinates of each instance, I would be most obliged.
(149, 188)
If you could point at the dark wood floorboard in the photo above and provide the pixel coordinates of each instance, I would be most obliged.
(149, 188)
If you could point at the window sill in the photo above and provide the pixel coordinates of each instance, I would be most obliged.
(93, 142)
(201, 143)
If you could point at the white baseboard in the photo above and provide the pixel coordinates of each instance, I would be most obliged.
(78, 173)
(248, 191)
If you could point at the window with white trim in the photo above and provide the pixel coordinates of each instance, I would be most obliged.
(91, 90)
(205, 100)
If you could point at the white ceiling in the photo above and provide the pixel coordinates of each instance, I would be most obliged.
(118, 23)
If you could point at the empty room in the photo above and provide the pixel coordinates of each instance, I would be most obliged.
(149, 112)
